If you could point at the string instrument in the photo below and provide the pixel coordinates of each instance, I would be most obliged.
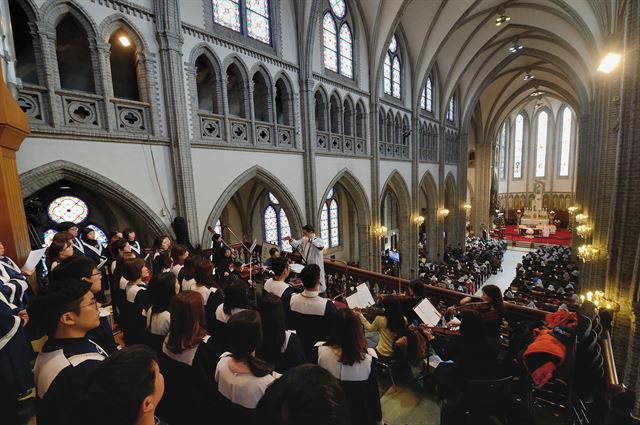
(480, 307)
(234, 252)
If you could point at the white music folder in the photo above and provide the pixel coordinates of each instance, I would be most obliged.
(429, 315)
(362, 298)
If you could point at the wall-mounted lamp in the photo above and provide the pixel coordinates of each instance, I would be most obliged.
(581, 218)
(443, 212)
(379, 231)
(588, 253)
(467, 207)
(124, 40)
(572, 210)
(418, 220)
(609, 62)
(584, 230)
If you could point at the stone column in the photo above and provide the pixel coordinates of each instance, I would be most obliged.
(170, 41)
(309, 146)
(415, 192)
(440, 201)
(374, 106)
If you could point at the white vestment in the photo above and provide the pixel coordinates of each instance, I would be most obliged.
(311, 251)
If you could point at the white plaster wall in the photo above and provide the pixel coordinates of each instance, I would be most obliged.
(288, 31)
(453, 169)
(214, 170)
(328, 167)
(127, 164)
(387, 167)
(192, 12)
(431, 168)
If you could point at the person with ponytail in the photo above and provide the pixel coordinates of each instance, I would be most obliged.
(205, 285)
(242, 378)
(187, 362)
(162, 288)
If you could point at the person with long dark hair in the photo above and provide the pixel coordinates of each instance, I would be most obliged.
(242, 377)
(188, 364)
(60, 249)
(161, 244)
(179, 253)
(120, 254)
(346, 356)
(162, 288)
(277, 285)
(129, 235)
(186, 276)
(389, 325)
(280, 346)
(492, 311)
(207, 287)
(135, 302)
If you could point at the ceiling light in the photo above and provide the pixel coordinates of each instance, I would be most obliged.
(124, 41)
(528, 76)
(609, 62)
(536, 93)
(65, 187)
(502, 19)
(515, 48)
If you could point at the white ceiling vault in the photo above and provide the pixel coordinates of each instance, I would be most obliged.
(458, 39)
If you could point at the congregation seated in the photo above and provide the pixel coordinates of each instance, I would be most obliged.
(135, 302)
(346, 356)
(85, 269)
(65, 313)
(188, 363)
(162, 288)
(204, 283)
(310, 315)
(127, 386)
(241, 377)
(280, 346)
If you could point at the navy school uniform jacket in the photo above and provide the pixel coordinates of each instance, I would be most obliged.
(311, 316)
(281, 290)
(15, 355)
(59, 370)
(212, 298)
(133, 322)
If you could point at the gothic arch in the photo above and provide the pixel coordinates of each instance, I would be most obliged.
(354, 190)
(269, 180)
(396, 184)
(119, 21)
(29, 9)
(204, 49)
(429, 192)
(451, 202)
(44, 175)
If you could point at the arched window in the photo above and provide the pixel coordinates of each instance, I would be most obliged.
(347, 118)
(517, 147)
(541, 144)
(74, 57)
(261, 98)
(426, 98)
(283, 103)
(451, 109)
(392, 69)
(250, 17)
(68, 208)
(360, 121)
(334, 113)
(123, 66)
(236, 92)
(565, 146)
(330, 221)
(502, 150)
(337, 47)
(320, 111)
(206, 85)
(276, 223)
(26, 66)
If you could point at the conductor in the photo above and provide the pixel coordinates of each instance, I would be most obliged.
(310, 246)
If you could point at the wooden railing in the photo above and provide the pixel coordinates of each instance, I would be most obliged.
(620, 400)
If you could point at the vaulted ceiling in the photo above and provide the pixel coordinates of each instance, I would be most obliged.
(458, 39)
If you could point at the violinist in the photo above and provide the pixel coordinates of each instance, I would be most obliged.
(491, 309)
(390, 326)
(218, 249)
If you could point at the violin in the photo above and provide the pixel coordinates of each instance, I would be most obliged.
(234, 252)
(480, 307)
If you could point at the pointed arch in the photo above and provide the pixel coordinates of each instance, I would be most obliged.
(283, 97)
(396, 184)
(277, 187)
(428, 204)
(262, 94)
(348, 116)
(321, 108)
(361, 120)
(47, 174)
(237, 87)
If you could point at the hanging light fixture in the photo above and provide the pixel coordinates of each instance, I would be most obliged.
(124, 40)
(528, 76)
(502, 18)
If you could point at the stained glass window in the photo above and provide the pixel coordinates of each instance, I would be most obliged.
(258, 20)
(395, 77)
(429, 95)
(393, 44)
(565, 147)
(387, 74)
(68, 208)
(451, 110)
(330, 38)
(251, 17)
(329, 221)
(502, 150)
(423, 99)
(541, 144)
(276, 224)
(101, 237)
(391, 70)
(517, 147)
(346, 51)
(271, 225)
(227, 13)
(337, 47)
(48, 236)
(339, 7)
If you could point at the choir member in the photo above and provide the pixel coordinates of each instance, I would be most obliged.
(120, 254)
(65, 313)
(129, 235)
(15, 357)
(346, 357)
(186, 276)
(306, 394)
(161, 244)
(13, 281)
(224, 265)
(85, 269)
(277, 285)
(162, 288)
(136, 300)
(309, 314)
(242, 377)
(92, 247)
(72, 228)
(127, 386)
(207, 287)
(179, 253)
(188, 362)
(389, 325)
(59, 249)
(163, 262)
(310, 247)
(280, 346)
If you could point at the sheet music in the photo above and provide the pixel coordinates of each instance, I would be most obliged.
(296, 268)
(429, 315)
(362, 298)
(34, 257)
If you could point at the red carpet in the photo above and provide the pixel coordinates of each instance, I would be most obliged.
(561, 237)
